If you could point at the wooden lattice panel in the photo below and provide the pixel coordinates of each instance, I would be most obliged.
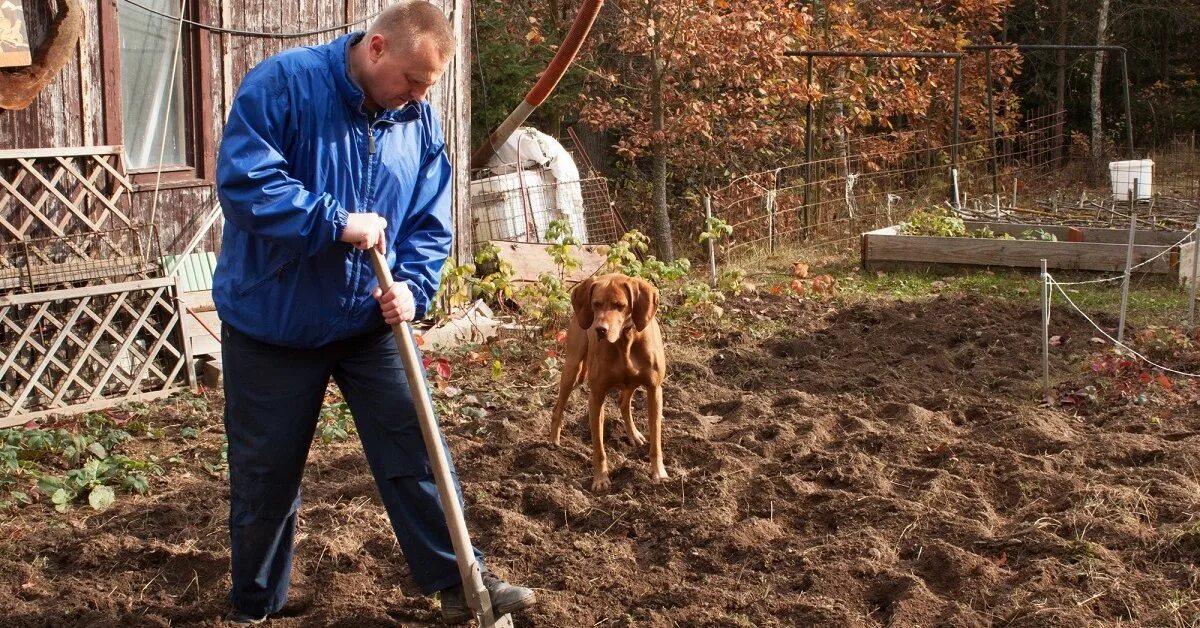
(68, 351)
(60, 192)
(77, 260)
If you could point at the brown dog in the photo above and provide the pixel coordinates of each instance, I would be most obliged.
(614, 341)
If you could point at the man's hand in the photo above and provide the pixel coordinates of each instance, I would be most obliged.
(365, 230)
(397, 303)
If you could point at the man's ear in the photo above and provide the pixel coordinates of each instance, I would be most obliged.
(581, 302)
(645, 302)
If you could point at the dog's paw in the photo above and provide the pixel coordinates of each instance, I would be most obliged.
(659, 474)
(600, 483)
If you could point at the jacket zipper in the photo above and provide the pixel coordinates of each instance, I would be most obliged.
(368, 203)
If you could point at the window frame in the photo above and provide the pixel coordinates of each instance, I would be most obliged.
(198, 111)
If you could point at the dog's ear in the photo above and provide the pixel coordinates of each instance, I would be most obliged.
(645, 302)
(581, 302)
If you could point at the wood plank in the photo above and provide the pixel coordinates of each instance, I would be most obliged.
(531, 260)
(50, 153)
(90, 406)
(212, 372)
(882, 248)
(75, 293)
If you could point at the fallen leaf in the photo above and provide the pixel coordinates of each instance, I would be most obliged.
(798, 287)
(441, 366)
(1098, 341)
(1056, 341)
(1164, 382)
(800, 270)
(420, 340)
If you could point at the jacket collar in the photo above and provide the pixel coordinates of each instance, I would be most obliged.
(339, 62)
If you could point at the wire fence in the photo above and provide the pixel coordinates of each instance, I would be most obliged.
(1034, 175)
(830, 200)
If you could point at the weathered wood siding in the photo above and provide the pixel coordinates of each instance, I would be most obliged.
(71, 111)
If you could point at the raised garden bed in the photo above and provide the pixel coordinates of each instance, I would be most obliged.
(1075, 248)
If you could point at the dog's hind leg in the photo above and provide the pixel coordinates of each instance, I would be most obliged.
(654, 403)
(631, 430)
(573, 374)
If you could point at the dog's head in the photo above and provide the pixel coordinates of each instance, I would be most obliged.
(610, 304)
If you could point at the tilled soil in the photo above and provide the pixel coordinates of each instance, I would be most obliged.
(851, 463)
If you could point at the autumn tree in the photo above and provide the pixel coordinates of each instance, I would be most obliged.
(694, 92)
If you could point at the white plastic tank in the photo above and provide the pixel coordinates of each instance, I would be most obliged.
(1124, 173)
(512, 206)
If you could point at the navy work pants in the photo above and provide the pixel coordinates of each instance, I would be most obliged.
(273, 397)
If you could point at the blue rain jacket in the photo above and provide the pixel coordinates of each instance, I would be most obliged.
(298, 155)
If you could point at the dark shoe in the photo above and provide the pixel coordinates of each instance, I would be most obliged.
(242, 619)
(506, 599)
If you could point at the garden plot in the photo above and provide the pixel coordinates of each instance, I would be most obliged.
(837, 463)
(1067, 248)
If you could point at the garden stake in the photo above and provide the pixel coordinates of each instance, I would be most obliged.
(1128, 263)
(1195, 267)
(468, 568)
(712, 251)
(1045, 333)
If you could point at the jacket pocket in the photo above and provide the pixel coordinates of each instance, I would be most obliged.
(261, 281)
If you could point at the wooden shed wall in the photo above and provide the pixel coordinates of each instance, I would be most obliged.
(72, 109)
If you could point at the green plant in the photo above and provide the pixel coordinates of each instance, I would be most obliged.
(1038, 234)
(934, 222)
(700, 298)
(37, 457)
(562, 243)
(545, 301)
(489, 278)
(496, 284)
(732, 281)
(335, 422)
(714, 230)
(625, 252)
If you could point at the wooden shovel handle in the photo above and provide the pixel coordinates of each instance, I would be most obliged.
(468, 567)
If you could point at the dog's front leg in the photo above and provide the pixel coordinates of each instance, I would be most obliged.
(654, 405)
(596, 396)
(631, 430)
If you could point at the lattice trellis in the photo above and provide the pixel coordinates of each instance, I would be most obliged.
(68, 351)
(61, 192)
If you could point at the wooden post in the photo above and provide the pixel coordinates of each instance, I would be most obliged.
(954, 176)
(226, 61)
(1195, 267)
(1045, 333)
(1128, 262)
(712, 251)
(771, 218)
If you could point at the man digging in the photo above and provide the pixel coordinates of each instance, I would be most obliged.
(330, 151)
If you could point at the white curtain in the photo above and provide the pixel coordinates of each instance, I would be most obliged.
(147, 41)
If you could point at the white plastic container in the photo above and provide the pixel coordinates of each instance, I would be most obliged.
(1123, 173)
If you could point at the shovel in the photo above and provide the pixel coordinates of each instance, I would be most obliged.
(477, 595)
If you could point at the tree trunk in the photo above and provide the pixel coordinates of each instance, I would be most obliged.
(1097, 73)
(1060, 88)
(661, 220)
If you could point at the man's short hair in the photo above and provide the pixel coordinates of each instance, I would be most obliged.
(409, 20)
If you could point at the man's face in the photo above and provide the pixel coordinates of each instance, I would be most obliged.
(398, 74)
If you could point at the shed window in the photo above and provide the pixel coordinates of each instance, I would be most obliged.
(151, 108)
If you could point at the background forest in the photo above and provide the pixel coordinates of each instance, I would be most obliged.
(673, 97)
